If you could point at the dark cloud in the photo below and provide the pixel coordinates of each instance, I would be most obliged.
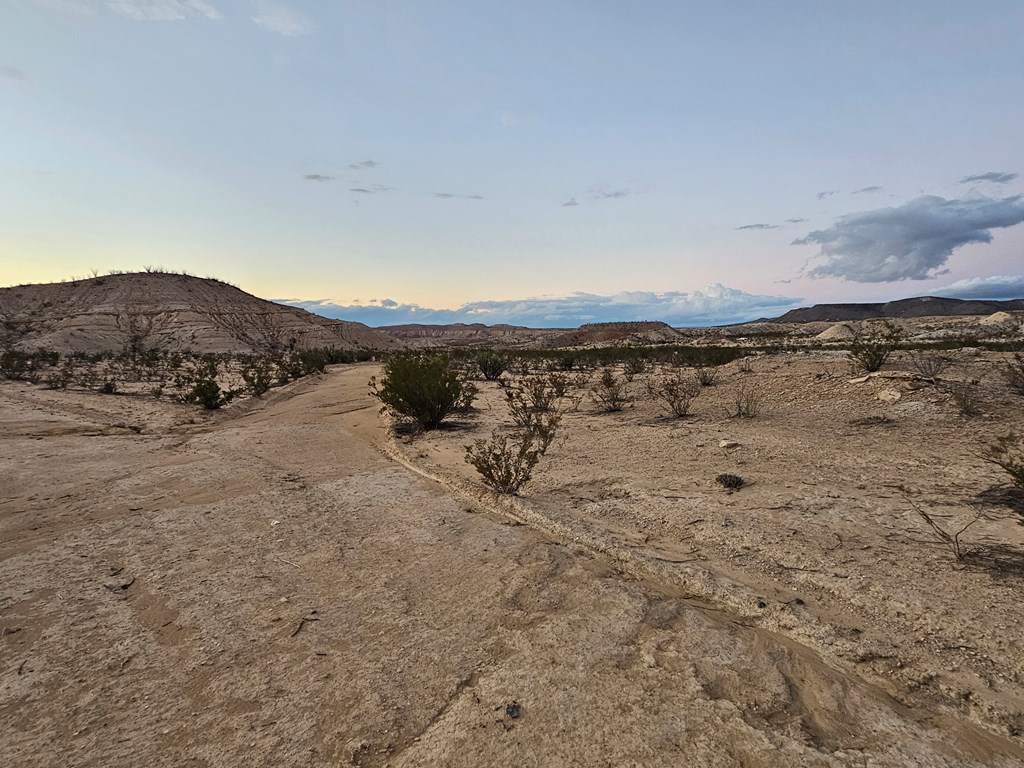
(759, 226)
(827, 193)
(995, 287)
(795, 221)
(862, 190)
(601, 193)
(715, 305)
(996, 177)
(12, 73)
(364, 165)
(317, 177)
(453, 196)
(910, 242)
(570, 203)
(372, 189)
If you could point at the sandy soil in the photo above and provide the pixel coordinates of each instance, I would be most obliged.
(267, 587)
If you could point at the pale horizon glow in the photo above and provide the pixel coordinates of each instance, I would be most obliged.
(492, 158)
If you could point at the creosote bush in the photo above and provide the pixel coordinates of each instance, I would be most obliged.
(747, 402)
(870, 349)
(423, 388)
(705, 376)
(675, 391)
(928, 365)
(610, 393)
(965, 397)
(504, 462)
(491, 365)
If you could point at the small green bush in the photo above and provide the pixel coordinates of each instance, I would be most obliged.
(491, 365)
(422, 388)
(610, 394)
(870, 349)
(504, 463)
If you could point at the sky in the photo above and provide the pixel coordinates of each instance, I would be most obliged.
(541, 162)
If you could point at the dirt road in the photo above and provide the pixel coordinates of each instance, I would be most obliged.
(267, 589)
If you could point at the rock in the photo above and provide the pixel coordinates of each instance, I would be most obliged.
(728, 445)
(890, 395)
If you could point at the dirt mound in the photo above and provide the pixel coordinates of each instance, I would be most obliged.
(837, 332)
(166, 311)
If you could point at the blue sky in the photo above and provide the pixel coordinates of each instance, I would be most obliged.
(539, 162)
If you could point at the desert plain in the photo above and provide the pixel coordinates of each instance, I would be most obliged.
(296, 580)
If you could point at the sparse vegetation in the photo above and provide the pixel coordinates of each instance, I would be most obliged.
(491, 364)
(675, 391)
(730, 482)
(870, 349)
(928, 365)
(610, 393)
(747, 402)
(965, 397)
(423, 388)
(505, 462)
(1007, 453)
(705, 376)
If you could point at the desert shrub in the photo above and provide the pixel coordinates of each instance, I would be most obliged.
(870, 349)
(965, 397)
(109, 385)
(633, 367)
(730, 482)
(705, 376)
(610, 393)
(1013, 372)
(467, 395)
(948, 537)
(62, 377)
(529, 398)
(674, 391)
(928, 365)
(259, 374)
(747, 402)
(207, 393)
(1007, 453)
(491, 365)
(746, 365)
(544, 429)
(505, 463)
(422, 388)
(19, 366)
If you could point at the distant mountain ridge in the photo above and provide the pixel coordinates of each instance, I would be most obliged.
(924, 306)
(166, 311)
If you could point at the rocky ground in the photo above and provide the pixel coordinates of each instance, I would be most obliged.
(283, 584)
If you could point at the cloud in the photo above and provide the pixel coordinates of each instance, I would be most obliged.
(910, 242)
(715, 305)
(453, 196)
(163, 10)
(795, 221)
(996, 177)
(827, 193)
(863, 190)
(280, 18)
(571, 202)
(317, 177)
(12, 73)
(603, 193)
(994, 287)
(759, 226)
(364, 165)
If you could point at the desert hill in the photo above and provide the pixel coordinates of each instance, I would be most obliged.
(924, 306)
(166, 311)
(466, 335)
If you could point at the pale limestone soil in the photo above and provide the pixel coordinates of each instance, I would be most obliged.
(264, 588)
(826, 517)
